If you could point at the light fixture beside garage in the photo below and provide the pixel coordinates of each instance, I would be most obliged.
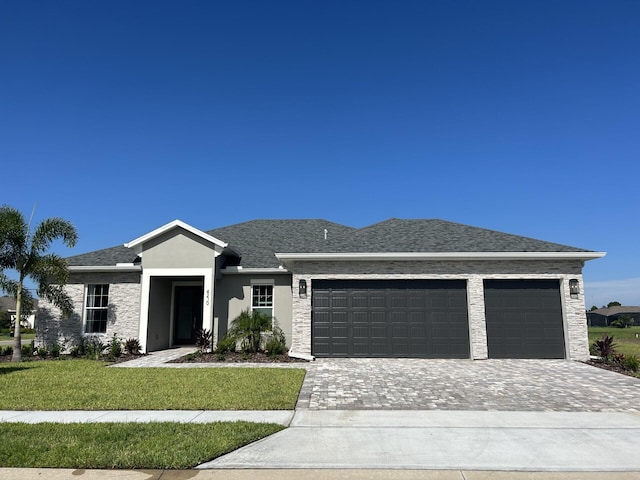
(302, 288)
(574, 288)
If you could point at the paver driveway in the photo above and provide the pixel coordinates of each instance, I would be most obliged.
(511, 385)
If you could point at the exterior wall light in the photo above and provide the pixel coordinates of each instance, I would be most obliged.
(574, 288)
(302, 288)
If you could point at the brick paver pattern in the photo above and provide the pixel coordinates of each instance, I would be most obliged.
(508, 385)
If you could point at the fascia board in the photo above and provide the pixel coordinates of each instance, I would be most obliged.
(390, 256)
(253, 271)
(105, 268)
(171, 225)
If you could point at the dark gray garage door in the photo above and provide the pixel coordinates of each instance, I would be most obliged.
(390, 318)
(524, 319)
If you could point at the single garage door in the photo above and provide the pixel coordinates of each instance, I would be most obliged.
(524, 319)
(390, 318)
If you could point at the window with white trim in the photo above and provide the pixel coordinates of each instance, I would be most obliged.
(96, 308)
(262, 299)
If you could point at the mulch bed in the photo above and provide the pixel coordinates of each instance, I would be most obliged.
(36, 358)
(237, 357)
(613, 367)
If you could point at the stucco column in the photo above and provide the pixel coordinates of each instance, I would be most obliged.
(477, 319)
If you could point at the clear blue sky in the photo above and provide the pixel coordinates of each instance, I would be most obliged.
(522, 117)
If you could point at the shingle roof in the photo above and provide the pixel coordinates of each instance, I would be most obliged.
(107, 256)
(616, 310)
(258, 240)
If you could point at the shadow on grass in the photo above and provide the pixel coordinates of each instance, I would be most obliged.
(5, 370)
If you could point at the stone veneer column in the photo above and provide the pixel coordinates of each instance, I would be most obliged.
(575, 315)
(301, 319)
(477, 319)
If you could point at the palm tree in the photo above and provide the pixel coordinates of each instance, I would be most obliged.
(25, 251)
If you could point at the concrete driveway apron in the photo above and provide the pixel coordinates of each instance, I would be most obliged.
(506, 415)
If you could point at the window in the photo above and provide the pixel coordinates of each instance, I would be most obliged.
(97, 308)
(262, 299)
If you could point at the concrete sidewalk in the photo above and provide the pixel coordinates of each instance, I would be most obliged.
(405, 441)
(282, 417)
(447, 440)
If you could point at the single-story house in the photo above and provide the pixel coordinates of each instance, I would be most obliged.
(8, 304)
(602, 317)
(398, 288)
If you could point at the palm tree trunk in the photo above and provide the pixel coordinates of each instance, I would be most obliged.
(17, 339)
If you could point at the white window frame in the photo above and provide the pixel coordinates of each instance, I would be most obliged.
(264, 283)
(87, 308)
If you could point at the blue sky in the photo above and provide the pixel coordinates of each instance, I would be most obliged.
(522, 117)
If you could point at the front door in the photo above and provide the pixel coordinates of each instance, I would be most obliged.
(187, 314)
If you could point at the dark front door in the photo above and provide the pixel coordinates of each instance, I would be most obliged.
(187, 314)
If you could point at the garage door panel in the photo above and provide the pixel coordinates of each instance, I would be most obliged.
(392, 318)
(524, 319)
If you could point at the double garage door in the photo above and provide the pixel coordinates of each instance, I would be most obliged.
(429, 319)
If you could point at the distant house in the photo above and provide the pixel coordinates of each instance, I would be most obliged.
(8, 304)
(602, 317)
(398, 288)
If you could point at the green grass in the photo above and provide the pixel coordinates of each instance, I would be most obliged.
(24, 336)
(90, 385)
(124, 445)
(627, 339)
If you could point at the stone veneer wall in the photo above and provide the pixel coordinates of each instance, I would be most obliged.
(475, 272)
(124, 309)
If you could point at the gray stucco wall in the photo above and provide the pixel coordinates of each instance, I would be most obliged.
(178, 248)
(124, 308)
(474, 272)
(233, 295)
(159, 314)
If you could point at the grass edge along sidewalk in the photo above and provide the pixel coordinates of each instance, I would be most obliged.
(89, 385)
(124, 445)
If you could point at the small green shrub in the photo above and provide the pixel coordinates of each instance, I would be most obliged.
(115, 347)
(94, 348)
(193, 356)
(132, 346)
(226, 344)
(8, 350)
(54, 349)
(277, 343)
(42, 352)
(203, 340)
(27, 349)
(632, 362)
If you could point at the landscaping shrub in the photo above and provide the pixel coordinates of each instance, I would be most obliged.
(42, 352)
(203, 340)
(54, 349)
(132, 346)
(248, 327)
(277, 343)
(8, 350)
(225, 345)
(27, 349)
(94, 348)
(605, 347)
(632, 362)
(115, 347)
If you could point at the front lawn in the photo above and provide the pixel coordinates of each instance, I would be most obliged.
(124, 445)
(90, 385)
(626, 339)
